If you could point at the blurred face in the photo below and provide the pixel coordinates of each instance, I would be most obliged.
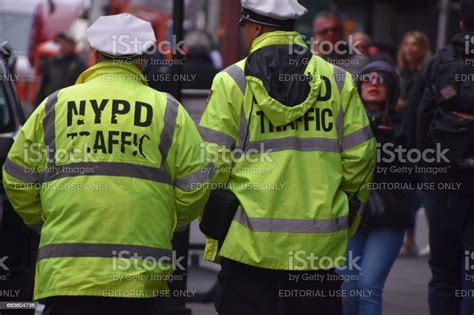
(361, 42)
(66, 47)
(328, 29)
(411, 50)
(374, 89)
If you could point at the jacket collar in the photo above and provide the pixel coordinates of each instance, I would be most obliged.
(118, 70)
(277, 38)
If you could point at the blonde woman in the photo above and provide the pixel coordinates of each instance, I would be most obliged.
(414, 50)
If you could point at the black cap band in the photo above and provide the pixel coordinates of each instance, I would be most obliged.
(250, 16)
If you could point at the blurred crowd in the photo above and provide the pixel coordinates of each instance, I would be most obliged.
(386, 80)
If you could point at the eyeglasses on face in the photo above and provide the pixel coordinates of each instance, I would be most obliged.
(374, 79)
(326, 31)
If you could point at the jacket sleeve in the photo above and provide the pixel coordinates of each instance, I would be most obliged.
(425, 103)
(358, 152)
(192, 170)
(418, 95)
(220, 122)
(358, 145)
(23, 166)
(219, 128)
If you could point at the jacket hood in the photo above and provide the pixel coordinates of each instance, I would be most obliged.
(282, 76)
(390, 72)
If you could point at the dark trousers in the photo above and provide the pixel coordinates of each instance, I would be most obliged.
(248, 290)
(451, 221)
(76, 305)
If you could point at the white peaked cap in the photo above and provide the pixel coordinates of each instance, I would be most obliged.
(276, 9)
(121, 35)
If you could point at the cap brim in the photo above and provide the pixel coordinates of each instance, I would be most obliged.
(117, 56)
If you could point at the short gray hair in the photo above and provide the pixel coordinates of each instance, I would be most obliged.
(328, 14)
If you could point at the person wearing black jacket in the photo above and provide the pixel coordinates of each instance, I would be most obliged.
(441, 112)
(378, 241)
(62, 70)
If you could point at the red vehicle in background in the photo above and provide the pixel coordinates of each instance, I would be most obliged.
(51, 17)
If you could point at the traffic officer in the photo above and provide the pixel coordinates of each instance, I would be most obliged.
(290, 139)
(107, 169)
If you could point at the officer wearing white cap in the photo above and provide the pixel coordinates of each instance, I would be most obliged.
(277, 14)
(281, 229)
(122, 168)
(121, 36)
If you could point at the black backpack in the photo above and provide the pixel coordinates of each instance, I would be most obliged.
(453, 96)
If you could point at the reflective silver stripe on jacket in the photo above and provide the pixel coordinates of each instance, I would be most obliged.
(243, 129)
(358, 137)
(159, 175)
(291, 225)
(19, 172)
(100, 251)
(238, 75)
(294, 143)
(171, 114)
(340, 78)
(216, 137)
(49, 126)
(200, 177)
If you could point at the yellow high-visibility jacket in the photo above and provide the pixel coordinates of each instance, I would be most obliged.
(290, 137)
(108, 168)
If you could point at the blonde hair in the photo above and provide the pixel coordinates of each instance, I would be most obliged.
(423, 42)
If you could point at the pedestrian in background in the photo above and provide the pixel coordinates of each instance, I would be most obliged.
(362, 42)
(380, 236)
(332, 44)
(414, 51)
(62, 70)
(198, 62)
(442, 116)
